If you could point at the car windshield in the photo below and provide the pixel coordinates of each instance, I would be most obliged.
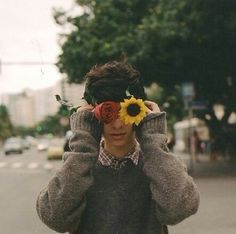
(13, 140)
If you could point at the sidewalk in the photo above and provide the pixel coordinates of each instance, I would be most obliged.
(207, 168)
(213, 169)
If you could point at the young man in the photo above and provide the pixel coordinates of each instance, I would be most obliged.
(119, 176)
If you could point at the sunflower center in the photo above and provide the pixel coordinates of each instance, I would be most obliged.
(133, 109)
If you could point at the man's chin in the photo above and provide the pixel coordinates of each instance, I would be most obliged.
(118, 143)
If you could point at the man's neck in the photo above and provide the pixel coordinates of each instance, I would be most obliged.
(118, 151)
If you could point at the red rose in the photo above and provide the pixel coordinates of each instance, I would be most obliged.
(107, 111)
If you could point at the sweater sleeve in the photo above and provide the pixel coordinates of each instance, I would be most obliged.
(62, 202)
(174, 192)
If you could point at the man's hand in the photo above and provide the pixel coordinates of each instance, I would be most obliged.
(152, 107)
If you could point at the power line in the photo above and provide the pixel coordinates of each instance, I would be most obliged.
(25, 63)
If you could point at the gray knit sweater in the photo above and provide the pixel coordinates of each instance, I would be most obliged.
(63, 202)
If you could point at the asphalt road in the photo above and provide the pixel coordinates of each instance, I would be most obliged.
(23, 176)
(217, 211)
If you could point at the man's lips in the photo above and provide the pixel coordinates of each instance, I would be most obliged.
(117, 134)
(120, 133)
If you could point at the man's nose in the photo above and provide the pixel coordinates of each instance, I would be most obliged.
(117, 123)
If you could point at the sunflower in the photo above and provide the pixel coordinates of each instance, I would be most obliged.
(132, 111)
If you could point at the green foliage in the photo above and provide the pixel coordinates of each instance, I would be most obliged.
(106, 31)
(56, 124)
(24, 131)
(64, 111)
(170, 42)
(49, 125)
(169, 102)
(5, 123)
(66, 108)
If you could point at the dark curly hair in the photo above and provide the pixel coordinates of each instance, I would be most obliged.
(111, 81)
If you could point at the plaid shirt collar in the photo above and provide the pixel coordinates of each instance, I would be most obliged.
(107, 159)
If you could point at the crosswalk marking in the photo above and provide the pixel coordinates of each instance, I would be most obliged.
(28, 165)
(3, 164)
(16, 165)
(32, 165)
(48, 166)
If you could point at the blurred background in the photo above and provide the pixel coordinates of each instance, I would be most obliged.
(186, 53)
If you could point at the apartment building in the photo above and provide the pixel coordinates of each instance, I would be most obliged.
(31, 106)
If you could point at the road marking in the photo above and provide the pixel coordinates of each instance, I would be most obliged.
(2, 164)
(48, 166)
(33, 165)
(16, 165)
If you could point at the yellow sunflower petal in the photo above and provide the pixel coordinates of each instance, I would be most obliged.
(124, 115)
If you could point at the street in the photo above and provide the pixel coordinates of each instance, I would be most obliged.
(217, 211)
(23, 176)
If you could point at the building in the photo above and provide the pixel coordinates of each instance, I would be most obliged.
(72, 93)
(45, 103)
(21, 108)
(31, 106)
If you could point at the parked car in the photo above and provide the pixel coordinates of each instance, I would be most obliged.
(55, 149)
(43, 145)
(26, 144)
(32, 141)
(13, 145)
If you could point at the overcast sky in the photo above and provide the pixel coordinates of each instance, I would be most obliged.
(28, 33)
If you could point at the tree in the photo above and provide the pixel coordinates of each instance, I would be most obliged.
(56, 124)
(106, 30)
(203, 46)
(6, 129)
(170, 102)
(24, 131)
(170, 42)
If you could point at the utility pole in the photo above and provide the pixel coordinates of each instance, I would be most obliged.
(63, 88)
(188, 93)
(190, 135)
